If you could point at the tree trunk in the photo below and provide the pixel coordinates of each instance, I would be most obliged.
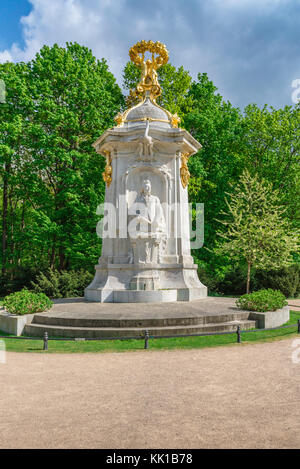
(22, 231)
(248, 277)
(53, 252)
(62, 259)
(4, 216)
(11, 242)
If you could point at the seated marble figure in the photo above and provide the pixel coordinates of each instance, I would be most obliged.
(147, 226)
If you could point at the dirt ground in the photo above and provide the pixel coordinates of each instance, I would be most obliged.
(294, 304)
(241, 396)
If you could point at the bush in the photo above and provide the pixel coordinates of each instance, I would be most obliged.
(26, 302)
(287, 280)
(62, 284)
(18, 279)
(262, 301)
(208, 280)
(233, 282)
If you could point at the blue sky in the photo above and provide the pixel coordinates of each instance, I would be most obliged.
(10, 26)
(249, 48)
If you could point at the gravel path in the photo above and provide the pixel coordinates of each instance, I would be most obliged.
(294, 304)
(241, 396)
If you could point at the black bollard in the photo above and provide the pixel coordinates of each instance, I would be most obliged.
(238, 332)
(146, 346)
(45, 341)
(298, 326)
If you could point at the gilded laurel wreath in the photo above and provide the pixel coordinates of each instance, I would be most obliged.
(148, 86)
(152, 47)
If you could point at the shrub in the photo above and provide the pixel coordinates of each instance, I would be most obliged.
(262, 301)
(26, 302)
(62, 284)
(233, 282)
(17, 279)
(208, 280)
(287, 280)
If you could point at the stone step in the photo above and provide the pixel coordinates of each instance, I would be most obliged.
(38, 330)
(111, 320)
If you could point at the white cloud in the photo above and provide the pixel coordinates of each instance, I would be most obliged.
(6, 56)
(108, 27)
(243, 45)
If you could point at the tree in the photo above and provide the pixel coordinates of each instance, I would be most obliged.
(75, 99)
(57, 105)
(256, 230)
(216, 124)
(13, 122)
(50, 176)
(270, 142)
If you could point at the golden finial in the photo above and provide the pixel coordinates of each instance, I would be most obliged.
(148, 85)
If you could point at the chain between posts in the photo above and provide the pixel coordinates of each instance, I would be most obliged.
(146, 335)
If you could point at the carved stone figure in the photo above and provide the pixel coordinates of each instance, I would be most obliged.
(147, 226)
(145, 146)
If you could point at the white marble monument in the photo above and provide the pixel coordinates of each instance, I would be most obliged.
(146, 248)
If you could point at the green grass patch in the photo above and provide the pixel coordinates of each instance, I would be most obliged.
(65, 346)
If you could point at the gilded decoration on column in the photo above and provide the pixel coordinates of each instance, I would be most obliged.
(184, 171)
(148, 88)
(107, 174)
(175, 120)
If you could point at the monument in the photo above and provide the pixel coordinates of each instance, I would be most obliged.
(146, 240)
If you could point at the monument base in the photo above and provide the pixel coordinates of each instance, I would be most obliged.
(117, 283)
(75, 317)
(145, 296)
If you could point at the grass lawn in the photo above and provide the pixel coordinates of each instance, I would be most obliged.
(61, 346)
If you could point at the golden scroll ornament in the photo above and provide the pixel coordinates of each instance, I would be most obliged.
(184, 171)
(107, 173)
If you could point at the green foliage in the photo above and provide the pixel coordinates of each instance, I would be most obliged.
(50, 176)
(270, 142)
(22, 278)
(209, 280)
(217, 125)
(26, 302)
(287, 280)
(62, 284)
(233, 281)
(264, 141)
(262, 301)
(57, 105)
(256, 230)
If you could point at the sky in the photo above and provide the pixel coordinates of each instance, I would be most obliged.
(249, 48)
